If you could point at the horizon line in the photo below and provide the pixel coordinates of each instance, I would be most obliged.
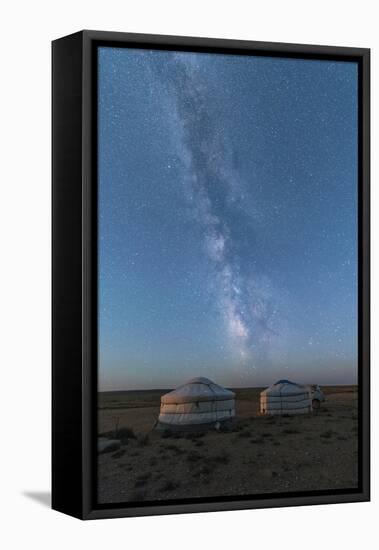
(227, 387)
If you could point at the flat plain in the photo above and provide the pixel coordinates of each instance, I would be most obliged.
(257, 455)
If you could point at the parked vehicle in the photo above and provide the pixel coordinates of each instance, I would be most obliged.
(318, 396)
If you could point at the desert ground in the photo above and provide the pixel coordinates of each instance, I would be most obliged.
(257, 455)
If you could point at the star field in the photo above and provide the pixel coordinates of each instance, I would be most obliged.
(227, 219)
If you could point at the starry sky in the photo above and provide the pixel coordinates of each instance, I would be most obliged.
(227, 200)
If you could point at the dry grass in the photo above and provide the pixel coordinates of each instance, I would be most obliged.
(254, 455)
(170, 486)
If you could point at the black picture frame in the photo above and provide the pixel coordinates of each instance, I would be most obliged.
(74, 272)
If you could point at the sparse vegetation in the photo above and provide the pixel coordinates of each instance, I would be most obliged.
(246, 433)
(177, 450)
(204, 470)
(140, 483)
(240, 458)
(226, 427)
(170, 486)
(327, 435)
(145, 476)
(239, 426)
(195, 435)
(124, 466)
(124, 434)
(219, 459)
(142, 480)
(257, 441)
(194, 456)
(118, 454)
(138, 496)
(143, 440)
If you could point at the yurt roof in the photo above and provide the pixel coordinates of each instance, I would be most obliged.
(285, 387)
(197, 389)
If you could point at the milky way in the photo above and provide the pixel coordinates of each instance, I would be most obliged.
(227, 219)
(205, 150)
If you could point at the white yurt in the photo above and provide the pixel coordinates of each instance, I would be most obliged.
(197, 402)
(285, 397)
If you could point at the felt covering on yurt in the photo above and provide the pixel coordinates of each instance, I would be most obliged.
(285, 397)
(198, 401)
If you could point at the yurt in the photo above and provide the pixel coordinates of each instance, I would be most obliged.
(197, 403)
(285, 397)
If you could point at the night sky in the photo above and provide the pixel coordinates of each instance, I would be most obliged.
(227, 219)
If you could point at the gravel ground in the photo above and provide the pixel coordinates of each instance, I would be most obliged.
(259, 455)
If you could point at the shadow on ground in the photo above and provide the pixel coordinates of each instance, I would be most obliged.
(42, 497)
